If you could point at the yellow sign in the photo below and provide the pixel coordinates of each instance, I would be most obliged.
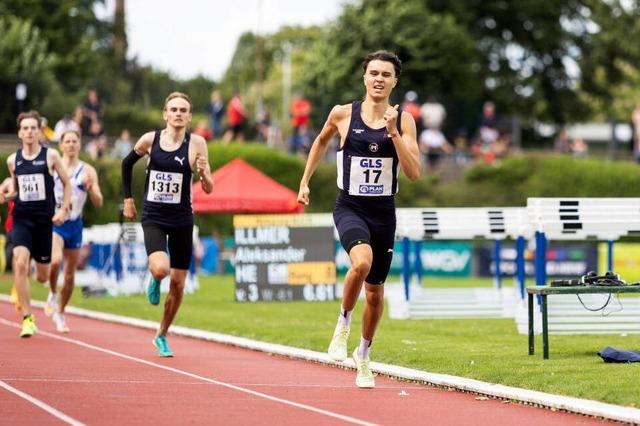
(312, 273)
(290, 220)
(626, 260)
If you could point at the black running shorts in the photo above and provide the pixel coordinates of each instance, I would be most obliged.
(375, 227)
(179, 241)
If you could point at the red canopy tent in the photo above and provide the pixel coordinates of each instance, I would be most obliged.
(241, 188)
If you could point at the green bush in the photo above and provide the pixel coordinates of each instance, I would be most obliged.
(134, 118)
(508, 183)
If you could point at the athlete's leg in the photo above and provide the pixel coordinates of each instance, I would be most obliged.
(71, 257)
(173, 300)
(372, 309)
(159, 265)
(21, 257)
(361, 257)
(57, 245)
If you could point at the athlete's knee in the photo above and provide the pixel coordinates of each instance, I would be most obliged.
(56, 261)
(159, 270)
(42, 274)
(375, 298)
(361, 266)
(21, 261)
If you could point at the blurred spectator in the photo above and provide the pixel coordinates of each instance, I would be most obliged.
(562, 143)
(500, 147)
(91, 111)
(202, 130)
(263, 126)
(46, 134)
(461, 148)
(215, 110)
(434, 146)
(488, 131)
(411, 106)
(65, 124)
(635, 121)
(97, 145)
(236, 116)
(123, 145)
(300, 110)
(432, 114)
(306, 137)
(579, 148)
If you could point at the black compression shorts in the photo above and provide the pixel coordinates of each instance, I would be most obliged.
(368, 226)
(180, 243)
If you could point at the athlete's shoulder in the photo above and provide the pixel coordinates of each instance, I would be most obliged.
(339, 112)
(197, 140)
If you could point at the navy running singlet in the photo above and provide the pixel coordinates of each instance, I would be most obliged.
(167, 186)
(35, 198)
(367, 161)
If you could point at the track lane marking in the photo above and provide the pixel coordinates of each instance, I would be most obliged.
(345, 418)
(42, 405)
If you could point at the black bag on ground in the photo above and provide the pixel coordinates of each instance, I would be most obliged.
(610, 354)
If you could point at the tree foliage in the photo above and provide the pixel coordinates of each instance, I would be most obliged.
(25, 59)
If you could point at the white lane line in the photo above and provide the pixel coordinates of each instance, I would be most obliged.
(46, 407)
(198, 383)
(348, 419)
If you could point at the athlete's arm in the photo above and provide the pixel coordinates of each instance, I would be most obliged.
(92, 186)
(56, 163)
(406, 145)
(319, 148)
(142, 147)
(201, 162)
(8, 189)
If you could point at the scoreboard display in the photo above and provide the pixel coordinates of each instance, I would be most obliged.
(284, 257)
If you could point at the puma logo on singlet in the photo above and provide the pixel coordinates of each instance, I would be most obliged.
(19, 163)
(358, 131)
(179, 160)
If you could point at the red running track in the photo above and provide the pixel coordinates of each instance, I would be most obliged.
(104, 373)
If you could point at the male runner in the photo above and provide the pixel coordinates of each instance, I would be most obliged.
(67, 238)
(167, 215)
(31, 169)
(376, 140)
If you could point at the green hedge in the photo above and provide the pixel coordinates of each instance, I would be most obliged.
(508, 183)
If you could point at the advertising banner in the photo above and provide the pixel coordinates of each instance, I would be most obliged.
(563, 260)
(284, 257)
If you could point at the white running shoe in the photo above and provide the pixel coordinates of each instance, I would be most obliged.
(61, 323)
(338, 346)
(364, 378)
(52, 304)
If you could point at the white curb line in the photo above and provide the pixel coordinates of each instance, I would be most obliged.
(557, 402)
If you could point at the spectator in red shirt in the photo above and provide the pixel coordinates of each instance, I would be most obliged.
(300, 110)
(236, 115)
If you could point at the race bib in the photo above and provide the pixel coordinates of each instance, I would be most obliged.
(371, 176)
(31, 187)
(164, 187)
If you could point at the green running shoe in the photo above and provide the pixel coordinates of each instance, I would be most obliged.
(160, 343)
(153, 291)
(28, 327)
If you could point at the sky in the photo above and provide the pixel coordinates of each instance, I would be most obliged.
(192, 37)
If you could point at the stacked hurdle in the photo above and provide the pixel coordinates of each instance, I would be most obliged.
(580, 219)
(467, 223)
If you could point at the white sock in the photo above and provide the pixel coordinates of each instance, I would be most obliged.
(363, 349)
(345, 317)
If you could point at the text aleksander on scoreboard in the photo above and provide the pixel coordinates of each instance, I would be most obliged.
(284, 257)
